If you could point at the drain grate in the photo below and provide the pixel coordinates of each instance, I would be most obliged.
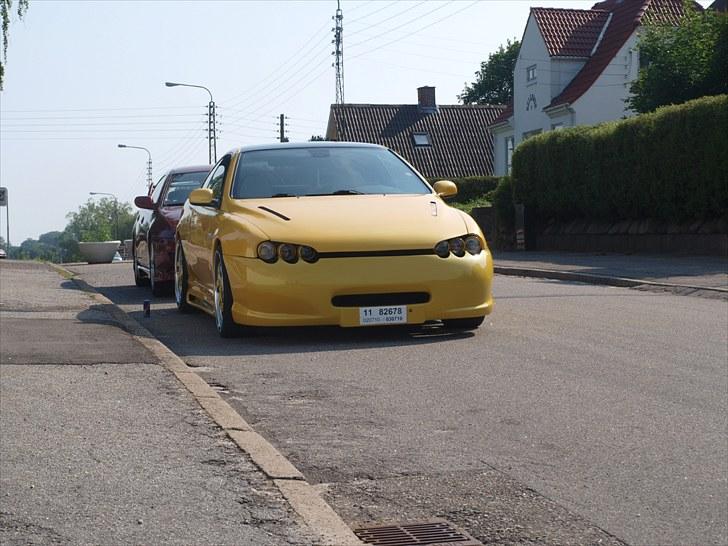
(430, 533)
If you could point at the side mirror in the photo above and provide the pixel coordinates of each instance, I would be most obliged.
(202, 196)
(143, 202)
(445, 188)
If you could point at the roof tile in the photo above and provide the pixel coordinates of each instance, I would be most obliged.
(570, 32)
(461, 143)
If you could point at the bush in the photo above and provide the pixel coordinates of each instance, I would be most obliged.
(505, 211)
(669, 165)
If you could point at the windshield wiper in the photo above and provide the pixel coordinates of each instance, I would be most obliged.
(337, 192)
(284, 195)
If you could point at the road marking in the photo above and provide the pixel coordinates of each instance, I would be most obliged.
(301, 495)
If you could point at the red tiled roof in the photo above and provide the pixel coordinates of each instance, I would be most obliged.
(627, 15)
(461, 143)
(570, 32)
(504, 116)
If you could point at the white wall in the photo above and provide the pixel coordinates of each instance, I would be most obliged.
(499, 150)
(563, 71)
(533, 52)
(604, 101)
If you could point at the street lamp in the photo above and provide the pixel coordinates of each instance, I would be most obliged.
(116, 210)
(211, 129)
(149, 161)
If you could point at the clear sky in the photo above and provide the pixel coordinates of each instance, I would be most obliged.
(82, 77)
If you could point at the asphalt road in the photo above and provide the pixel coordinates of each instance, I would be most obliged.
(576, 415)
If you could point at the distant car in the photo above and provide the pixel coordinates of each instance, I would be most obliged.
(340, 234)
(3, 254)
(155, 225)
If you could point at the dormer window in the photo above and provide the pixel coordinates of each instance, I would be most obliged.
(531, 73)
(421, 139)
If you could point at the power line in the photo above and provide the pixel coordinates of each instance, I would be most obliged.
(416, 31)
(409, 22)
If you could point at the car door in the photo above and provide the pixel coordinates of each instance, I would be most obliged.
(204, 224)
(142, 223)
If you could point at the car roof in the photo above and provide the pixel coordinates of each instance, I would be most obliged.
(316, 144)
(191, 169)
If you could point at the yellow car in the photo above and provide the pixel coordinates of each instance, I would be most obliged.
(328, 233)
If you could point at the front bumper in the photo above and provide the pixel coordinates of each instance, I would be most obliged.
(300, 294)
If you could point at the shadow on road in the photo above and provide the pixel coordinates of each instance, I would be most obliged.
(195, 335)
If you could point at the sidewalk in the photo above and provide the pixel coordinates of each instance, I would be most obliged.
(100, 444)
(682, 274)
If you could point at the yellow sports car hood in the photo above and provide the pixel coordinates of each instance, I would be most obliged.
(340, 223)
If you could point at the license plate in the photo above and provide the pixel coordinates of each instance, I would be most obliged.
(392, 314)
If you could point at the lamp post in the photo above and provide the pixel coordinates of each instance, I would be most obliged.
(149, 162)
(211, 129)
(116, 210)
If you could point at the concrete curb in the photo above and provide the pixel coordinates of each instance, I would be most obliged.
(300, 494)
(590, 278)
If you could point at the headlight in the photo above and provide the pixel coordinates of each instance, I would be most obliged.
(308, 254)
(473, 245)
(289, 253)
(267, 252)
(442, 249)
(457, 247)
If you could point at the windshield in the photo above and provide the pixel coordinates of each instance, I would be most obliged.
(294, 172)
(181, 186)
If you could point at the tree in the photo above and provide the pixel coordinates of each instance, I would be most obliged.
(494, 80)
(681, 63)
(5, 12)
(97, 221)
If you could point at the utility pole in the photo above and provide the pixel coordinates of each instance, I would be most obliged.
(211, 132)
(4, 203)
(211, 112)
(338, 52)
(282, 129)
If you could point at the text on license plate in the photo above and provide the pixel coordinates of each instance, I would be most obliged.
(392, 314)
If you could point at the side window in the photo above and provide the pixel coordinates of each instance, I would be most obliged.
(216, 178)
(157, 191)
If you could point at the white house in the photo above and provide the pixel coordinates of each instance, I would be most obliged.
(575, 67)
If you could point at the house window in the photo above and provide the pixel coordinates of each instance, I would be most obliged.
(422, 139)
(509, 153)
(531, 73)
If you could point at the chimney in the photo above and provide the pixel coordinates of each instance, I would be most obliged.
(426, 100)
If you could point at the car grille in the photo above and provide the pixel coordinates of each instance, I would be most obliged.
(379, 300)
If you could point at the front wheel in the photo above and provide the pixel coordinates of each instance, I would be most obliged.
(226, 327)
(463, 324)
(180, 280)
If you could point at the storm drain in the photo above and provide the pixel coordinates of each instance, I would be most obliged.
(431, 533)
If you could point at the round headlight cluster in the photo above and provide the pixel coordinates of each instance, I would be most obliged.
(459, 245)
(269, 252)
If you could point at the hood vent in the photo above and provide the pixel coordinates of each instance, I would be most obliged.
(275, 213)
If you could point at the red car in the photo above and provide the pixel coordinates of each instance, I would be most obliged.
(155, 225)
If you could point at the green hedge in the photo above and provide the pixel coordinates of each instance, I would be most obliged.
(670, 165)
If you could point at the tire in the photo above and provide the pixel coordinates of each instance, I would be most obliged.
(180, 280)
(139, 280)
(463, 324)
(223, 297)
(158, 288)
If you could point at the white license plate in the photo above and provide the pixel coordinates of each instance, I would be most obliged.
(391, 314)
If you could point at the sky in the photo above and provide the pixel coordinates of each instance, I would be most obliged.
(83, 77)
